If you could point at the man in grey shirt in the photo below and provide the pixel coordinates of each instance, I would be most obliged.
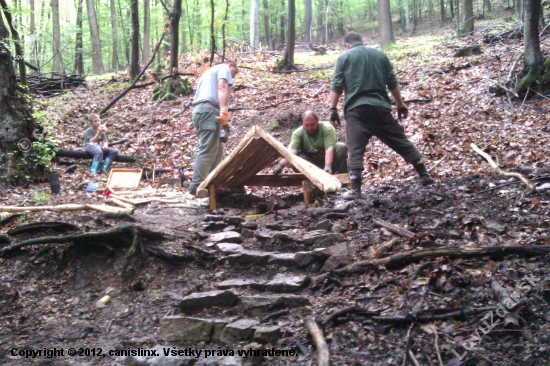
(210, 113)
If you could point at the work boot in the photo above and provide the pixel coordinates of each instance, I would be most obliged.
(106, 164)
(355, 189)
(93, 168)
(425, 177)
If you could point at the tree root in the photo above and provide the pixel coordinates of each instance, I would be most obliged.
(34, 227)
(135, 237)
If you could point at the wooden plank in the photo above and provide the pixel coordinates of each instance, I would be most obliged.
(317, 176)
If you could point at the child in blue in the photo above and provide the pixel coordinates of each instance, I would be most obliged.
(97, 145)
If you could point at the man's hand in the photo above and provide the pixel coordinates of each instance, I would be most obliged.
(328, 169)
(402, 111)
(223, 118)
(334, 117)
(278, 168)
(224, 135)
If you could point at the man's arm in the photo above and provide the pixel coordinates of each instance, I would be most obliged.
(329, 158)
(223, 93)
(402, 110)
(283, 161)
(334, 99)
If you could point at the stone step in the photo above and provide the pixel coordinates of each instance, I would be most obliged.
(280, 283)
(257, 305)
(203, 300)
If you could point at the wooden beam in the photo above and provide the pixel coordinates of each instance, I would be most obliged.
(213, 203)
(306, 192)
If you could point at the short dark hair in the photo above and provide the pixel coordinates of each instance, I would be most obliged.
(230, 62)
(352, 38)
(310, 113)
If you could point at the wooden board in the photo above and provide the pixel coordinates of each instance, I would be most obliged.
(124, 178)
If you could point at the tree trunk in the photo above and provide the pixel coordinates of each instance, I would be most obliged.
(468, 17)
(184, 30)
(134, 57)
(97, 58)
(268, 39)
(532, 57)
(114, 59)
(212, 33)
(124, 36)
(519, 11)
(57, 61)
(254, 25)
(224, 42)
(146, 32)
(487, 5)
(452, 8)
(174, 37)
(282, 25)
(442, 9)
(384, 23)
(287, 63)
(32, 31)
(308, 16)
(409, 10)
(15, 120)
(78, 61)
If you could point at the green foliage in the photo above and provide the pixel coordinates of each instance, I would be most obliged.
(273, 126)
(40, 156)
(41, 197)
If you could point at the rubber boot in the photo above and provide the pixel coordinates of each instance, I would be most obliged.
(93, 168)
(106, 164)
(355, 190)
(425, 177)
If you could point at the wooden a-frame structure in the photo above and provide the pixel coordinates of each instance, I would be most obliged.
(256, 151)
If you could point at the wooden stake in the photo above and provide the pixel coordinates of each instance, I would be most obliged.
(306, 193)
(212, 190)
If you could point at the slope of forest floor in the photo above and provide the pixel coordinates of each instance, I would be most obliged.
(48, 296)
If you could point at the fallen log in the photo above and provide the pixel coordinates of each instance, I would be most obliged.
(394, 228)
(402, 259)
(81, 154)
(67, 207)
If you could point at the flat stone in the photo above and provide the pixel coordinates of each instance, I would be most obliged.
(249, 257)
(317, 212)
(242, 283)
(233, 220)
(203, 300)
(338, 229)
(238, 331)
(335, 262)
(335, 216)
(249, 224)
(283, 259)
(213, 217)
(284, 283)
(267, 334)
(338, 249)
(322, 238)
(260, 304)
(230, 228)
(226, 237)
(183, 328)
(213, 225)
(304, 259)
(323, 225)
(274, 226)
(229, 248)
(287, 235)
(494, 226)
(247, 233)
(343, 207)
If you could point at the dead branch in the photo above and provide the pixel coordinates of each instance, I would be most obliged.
(394, 228)
(407, 345)
(274, 315)
(437, 163)
(81, 154)
(319, 341)
(402, 259)
(265, 106)
(511, 319)
(121, 203)
(427, 318)
(67, 207)
(33, 227)
(499, 171)
(349, 310)
(304, 70)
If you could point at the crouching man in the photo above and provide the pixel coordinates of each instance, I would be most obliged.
(97, 145)
(317, 143)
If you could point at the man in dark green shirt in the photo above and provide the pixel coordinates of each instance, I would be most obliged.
(362, 74)
(317, 143)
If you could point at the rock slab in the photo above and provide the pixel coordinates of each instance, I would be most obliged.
(202, 300)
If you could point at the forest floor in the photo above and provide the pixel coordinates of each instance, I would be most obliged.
(442, 309)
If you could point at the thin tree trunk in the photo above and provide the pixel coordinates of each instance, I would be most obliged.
(174, 37)
(18, 48)
(212, 34)
(114, 59)
(57, 61)
(184, 30)
(146, 55)
(32, 30)
(134, 58)
(78, 61)
(487, 5)
(224, 42)
(124, 36)
(97, 58)
(282, 25)
(267, 25)
(468, 16)
(308, 16)
(254, 25)
(532, 56)
(442, 9)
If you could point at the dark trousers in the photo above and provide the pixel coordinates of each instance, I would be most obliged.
(365, 121)
(98, 153)
(339, 163)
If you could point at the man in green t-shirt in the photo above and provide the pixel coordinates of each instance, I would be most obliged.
(362, 74)
(317, 143)
(97, 145)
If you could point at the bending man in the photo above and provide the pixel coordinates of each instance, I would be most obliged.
(317, 143)
(363, 73)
